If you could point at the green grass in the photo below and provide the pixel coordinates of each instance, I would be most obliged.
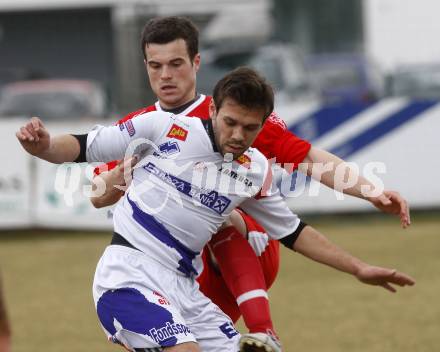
(48, 275)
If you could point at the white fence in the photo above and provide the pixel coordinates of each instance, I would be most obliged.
(28, 196)
(408, 147)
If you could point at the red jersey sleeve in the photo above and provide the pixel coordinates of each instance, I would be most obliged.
(276, 141)
(105, 167)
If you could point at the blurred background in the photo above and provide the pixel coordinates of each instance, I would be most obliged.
(359, 78)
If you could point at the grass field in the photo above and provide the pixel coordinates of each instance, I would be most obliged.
(47, 277)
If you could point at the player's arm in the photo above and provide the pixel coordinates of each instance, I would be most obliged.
(312, 244)
(280, 223)
(5, 330)
(388, 201)
(102, 144)
(36, 140)
(115, 182)
(293, 152)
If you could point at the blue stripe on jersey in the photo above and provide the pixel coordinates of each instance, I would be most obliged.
(161, 233)
(135, 313)
(372, 134)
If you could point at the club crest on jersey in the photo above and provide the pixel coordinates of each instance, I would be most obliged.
(274, 118)
(169, 148)
(244, 160)
(177, 132)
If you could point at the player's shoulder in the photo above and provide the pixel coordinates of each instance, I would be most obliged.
(256, 156)
(158, 117)
(200, 107)
(255, 165)
(253, 160)
(182, 122)
(138, 112)
(274, 122)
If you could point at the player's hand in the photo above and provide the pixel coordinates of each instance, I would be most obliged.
(122, 174)
(115, 182)
(392, 202)
(377, 276)
(34, 137)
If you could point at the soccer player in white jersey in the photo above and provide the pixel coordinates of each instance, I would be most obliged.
(145, 290)
(170, 49)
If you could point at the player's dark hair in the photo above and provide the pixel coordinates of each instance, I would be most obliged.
(163, 30)
(247, 88)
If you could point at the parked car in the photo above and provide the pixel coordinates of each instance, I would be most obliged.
(345, 77)
(53, 99)
(281, 64)
(418, 81)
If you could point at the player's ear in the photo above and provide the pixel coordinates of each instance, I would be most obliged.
(145, 63)
(212, 109)
(196, 62)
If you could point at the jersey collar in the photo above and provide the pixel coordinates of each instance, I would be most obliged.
(207, 124)
(185, 108)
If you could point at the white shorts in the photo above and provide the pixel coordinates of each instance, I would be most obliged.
(142, 304)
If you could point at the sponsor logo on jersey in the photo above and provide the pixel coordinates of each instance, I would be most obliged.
(244, 160)
(161, 299)
(129, 126)
(236, 176)
(209, 198)
(228, 329)
(177, 132)
(169, 330)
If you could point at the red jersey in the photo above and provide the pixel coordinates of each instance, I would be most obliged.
(274, 140)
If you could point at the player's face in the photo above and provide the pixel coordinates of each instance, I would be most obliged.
(235, 127)
(171, 72)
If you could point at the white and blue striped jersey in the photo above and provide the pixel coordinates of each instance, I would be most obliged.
(182, 188)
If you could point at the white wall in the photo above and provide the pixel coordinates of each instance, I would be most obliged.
(402, 31)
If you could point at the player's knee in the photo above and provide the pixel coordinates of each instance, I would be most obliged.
(184, 347)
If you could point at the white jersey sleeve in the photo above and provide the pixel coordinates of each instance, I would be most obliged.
(273, 214)
(133, 136)
(270, 210)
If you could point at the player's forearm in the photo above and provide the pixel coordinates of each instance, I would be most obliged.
(107, 187)
(110, 197)
(333, 172)
(62, 148)
(317, 247)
